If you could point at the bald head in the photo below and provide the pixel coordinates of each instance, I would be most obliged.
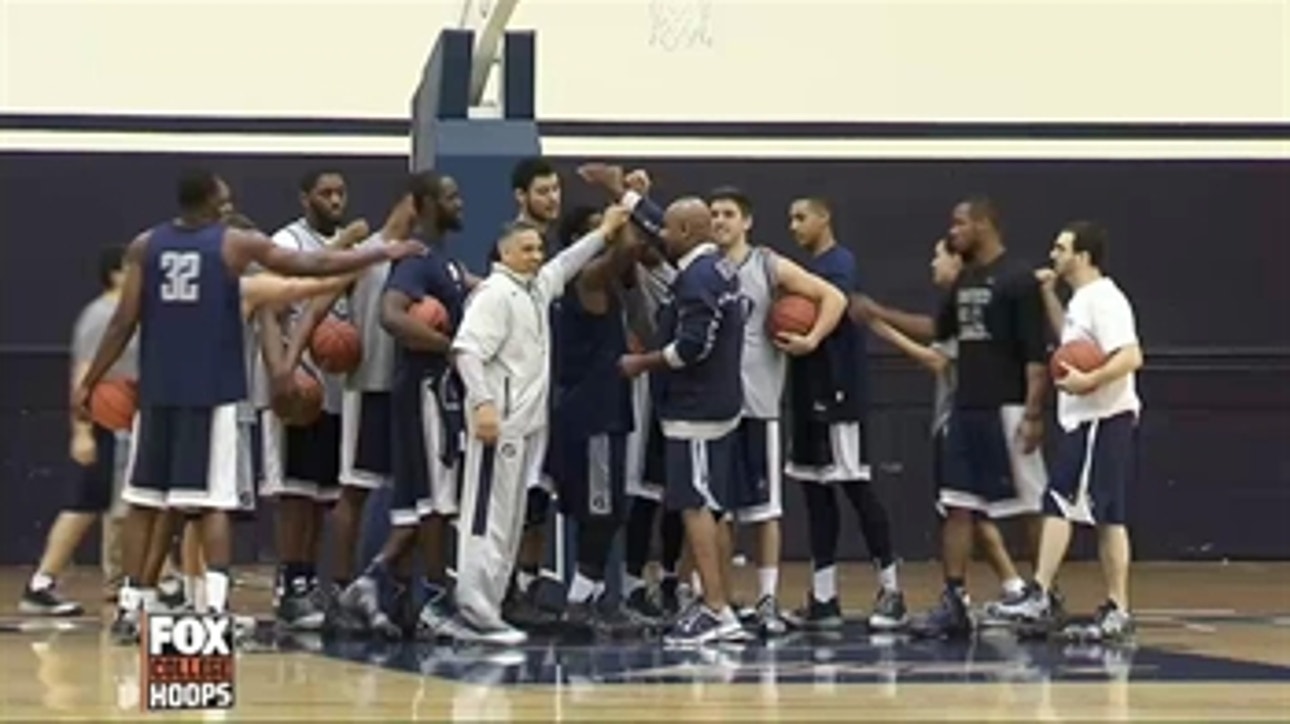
(686, 224)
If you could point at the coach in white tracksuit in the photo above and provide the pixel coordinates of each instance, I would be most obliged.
(502, 351)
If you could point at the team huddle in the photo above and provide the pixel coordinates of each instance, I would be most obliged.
(630, 365)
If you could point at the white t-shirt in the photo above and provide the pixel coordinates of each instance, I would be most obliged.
(1100, 312)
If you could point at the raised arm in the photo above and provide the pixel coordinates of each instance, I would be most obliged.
(557, 272)
(830, 301)
(119, 330)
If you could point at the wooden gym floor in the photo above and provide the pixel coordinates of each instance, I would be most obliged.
(1213, 643)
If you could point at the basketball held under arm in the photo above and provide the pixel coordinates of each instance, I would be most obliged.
(830, 301)
(409, 332)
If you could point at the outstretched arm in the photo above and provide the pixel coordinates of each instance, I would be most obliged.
(922, 354)
(243, 248)
(260, 290)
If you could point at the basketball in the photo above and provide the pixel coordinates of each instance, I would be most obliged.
(430, 312)
(303, 406)
(113, 403)
(792, 313)
(336, 346)
(1082, 354)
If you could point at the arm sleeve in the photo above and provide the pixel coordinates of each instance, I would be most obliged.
(471, 370)
(1114, 325)
(555, 274)
(646, 214)
(483, 326)
(1032, 321)
(698, 318)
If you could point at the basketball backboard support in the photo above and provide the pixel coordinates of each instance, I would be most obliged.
(488, 20)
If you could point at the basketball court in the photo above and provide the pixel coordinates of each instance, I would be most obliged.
(1213, 643)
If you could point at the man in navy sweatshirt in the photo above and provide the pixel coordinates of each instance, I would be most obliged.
(699, 395)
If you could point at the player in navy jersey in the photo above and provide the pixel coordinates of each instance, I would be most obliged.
(700, 396)
(592, 416)
(182, 291)
(426, 423)
(538, 196)
(826, 438)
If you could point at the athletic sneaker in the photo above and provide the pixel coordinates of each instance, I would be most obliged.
(639, 604)
(1110, 624)
(47, 602)
(701, 625)
(503, 635)
(767, 620)
(298, 608)
(125, 628)
(521, 611)
(436, 617)
(362, 600)
(889, 612)
(949, 619)
(604, 618)
(817, 615)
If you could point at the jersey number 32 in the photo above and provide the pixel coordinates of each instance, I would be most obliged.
(181, 269)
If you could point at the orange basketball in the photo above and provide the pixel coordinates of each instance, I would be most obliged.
(792, 313)
(1082, 354)
(304, 404)
(336, 346)
(113, 403)
(430, 312)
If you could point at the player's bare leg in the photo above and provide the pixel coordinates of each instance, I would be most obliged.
(713, 620)
(64, 536)
(346, 522)
(192, 561)
(135, 596)
(438, 611)
(767, 557)
(293, 536)
(950, 616)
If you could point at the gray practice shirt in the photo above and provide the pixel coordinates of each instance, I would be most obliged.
(88, 333)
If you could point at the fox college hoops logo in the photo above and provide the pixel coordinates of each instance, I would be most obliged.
(188, 662)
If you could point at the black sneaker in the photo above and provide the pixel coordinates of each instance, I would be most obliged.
(298, 610)
(889, 612)
(638, 603)
(170, 596)
(948, 620)
(125, 628)
(47, 602)
(669, 597)
(522, 612)
(817, 615)
(603, 619)
(701, 625)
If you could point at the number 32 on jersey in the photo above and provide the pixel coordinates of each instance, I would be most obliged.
(181, 270)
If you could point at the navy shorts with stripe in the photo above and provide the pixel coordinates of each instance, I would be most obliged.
(92, 492)
(698, 473)
(756, 487)
(1093, 470)
(590, 474)
(186, 457)
(371, 446)
(982, 468)
(426, 427)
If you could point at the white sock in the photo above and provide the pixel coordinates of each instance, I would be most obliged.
(887, 578)
(41, 581)
(216, 591)
(127, 599)
(1014, 587)
(824, 584)
(524, 580)
(767, 581)
(631, 584)
(148, 600)
(582, 589)
(696, 584)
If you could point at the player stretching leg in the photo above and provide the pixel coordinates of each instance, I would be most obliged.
(1098, 411)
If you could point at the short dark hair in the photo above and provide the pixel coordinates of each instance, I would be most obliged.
(819, 203)
(309, 179)
(196, 186)
(734, 196)
(1090, 238)
(528, 170)
(423, 185)
(576, 223)
(111, 259)
(983, 207)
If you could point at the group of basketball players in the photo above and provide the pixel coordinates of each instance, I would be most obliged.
(639, 366)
